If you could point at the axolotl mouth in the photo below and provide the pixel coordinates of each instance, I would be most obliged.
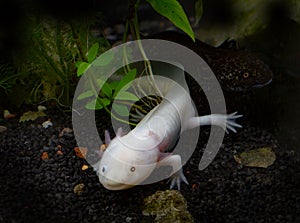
(113, 185)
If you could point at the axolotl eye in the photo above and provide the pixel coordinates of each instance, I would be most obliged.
(132, 169)
(103, 168)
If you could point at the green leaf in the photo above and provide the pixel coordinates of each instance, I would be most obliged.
(121, 110)
(114, 84)
(104, 59)
(106, 89)
(77, 63)
(125, 95)
(199, 11)
(104, 101)
(97, 103)
(93, 105)
(86, 94)
(125, 80)
(172, 10)
(82, 68)
(92, 53)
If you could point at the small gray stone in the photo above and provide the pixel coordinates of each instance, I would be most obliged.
(2, 128)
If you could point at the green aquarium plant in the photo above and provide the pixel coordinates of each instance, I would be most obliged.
(8, 77)
(110, 91)
(56, 45)
(114, 90)
(172, 10)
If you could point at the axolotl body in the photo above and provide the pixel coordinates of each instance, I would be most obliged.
(131, 158)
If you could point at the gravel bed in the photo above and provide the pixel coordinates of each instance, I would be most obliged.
(33, 189)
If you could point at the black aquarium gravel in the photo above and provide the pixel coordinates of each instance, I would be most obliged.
(42, 190)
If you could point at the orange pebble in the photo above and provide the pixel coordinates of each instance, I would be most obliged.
(45, 156)
(10, 116)
(103, 147)
(81, 152)
(59, 152)
(84, 167)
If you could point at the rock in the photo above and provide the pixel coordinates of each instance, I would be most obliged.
(81, 152)
(7, 114)
(45, 156)
(168, 206)
(262, 157)
(79, 188)
(2, 128)
(59, 152)
(47, 124)
(84, 167)
(30, 115)
(41, 108)
(65, 130)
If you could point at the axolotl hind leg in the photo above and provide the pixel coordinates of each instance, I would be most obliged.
(175, 162)
(227, 122)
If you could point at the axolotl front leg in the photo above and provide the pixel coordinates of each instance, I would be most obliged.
(167, 159)
(227, 122)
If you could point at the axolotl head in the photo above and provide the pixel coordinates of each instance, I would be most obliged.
(123, 165)
(238, 70)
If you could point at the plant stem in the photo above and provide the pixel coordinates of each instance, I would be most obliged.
(147, 62)
(118, 119)
(126, 67)
(134, 105)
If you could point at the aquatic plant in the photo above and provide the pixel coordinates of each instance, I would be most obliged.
(172, 10)
(8, 77)
(114, 90)
(56, 46)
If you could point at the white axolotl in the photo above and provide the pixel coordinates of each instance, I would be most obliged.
(131, 158)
